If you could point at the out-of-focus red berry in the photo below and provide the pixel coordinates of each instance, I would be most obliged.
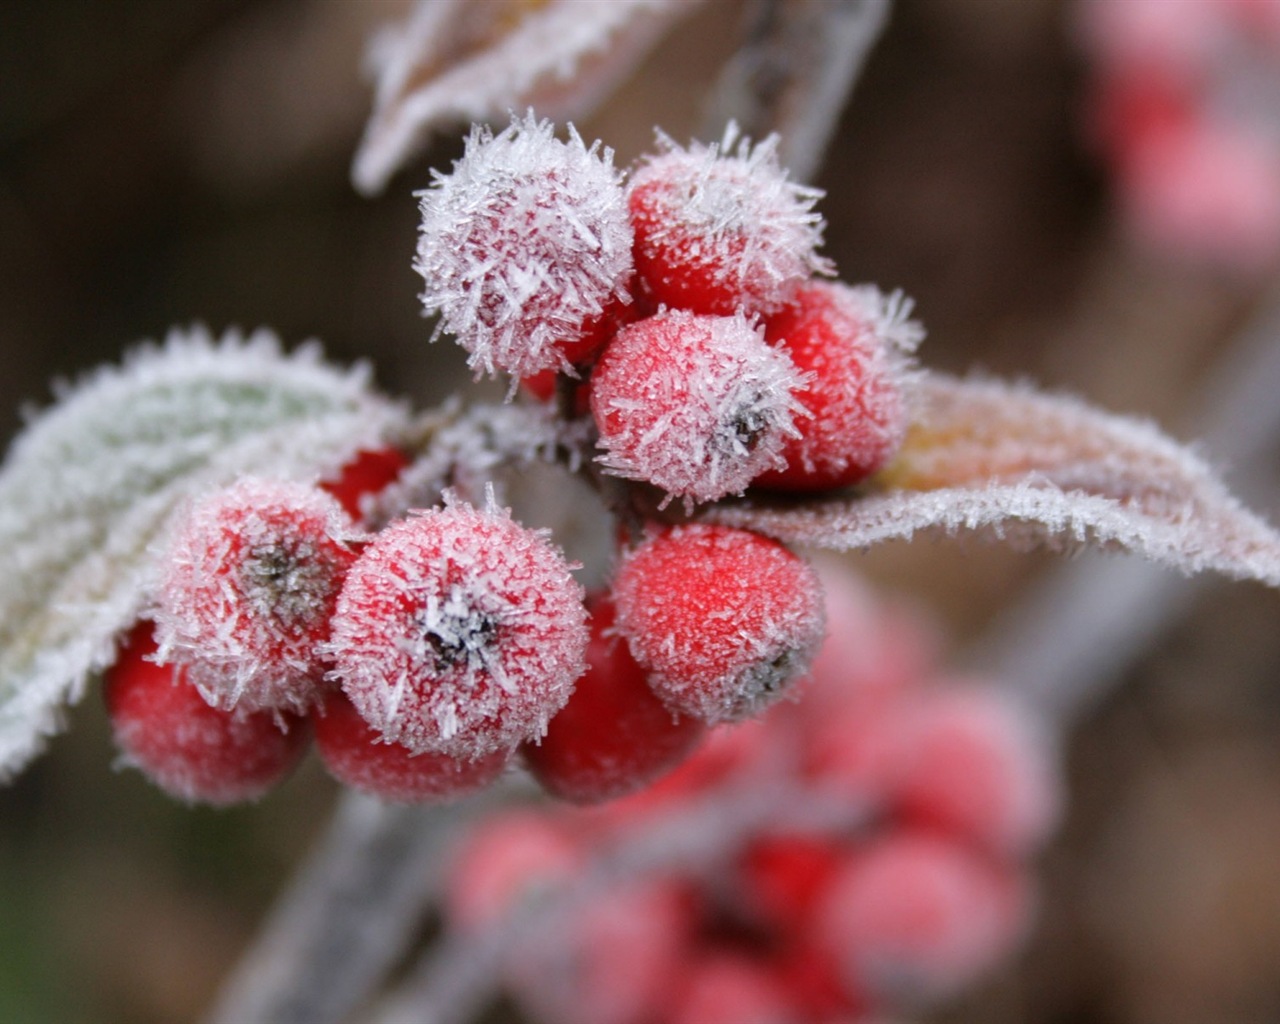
(367, 473)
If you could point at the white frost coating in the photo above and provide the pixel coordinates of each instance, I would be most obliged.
(695, 405)
(457, 61)
(729, 212)
(523, 245)
(459, 632)
(249, 581)
(1038, 469)
(90, 484)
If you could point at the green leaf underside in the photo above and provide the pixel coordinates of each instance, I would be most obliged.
(1034, 470)
(87, 489)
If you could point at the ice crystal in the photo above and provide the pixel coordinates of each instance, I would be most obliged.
(459, 631)
(91, 483)
(459, 61)
(1035, 468)
(696, 405)
(524, 246)
(720, 228)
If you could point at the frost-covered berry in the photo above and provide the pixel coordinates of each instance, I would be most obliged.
(854, 344)
(366, 474)
(459, 632)
(918, 916)
(251, 579)
(720, 229)
(525, 248)
(357, 756)
(696, 405)
(614, 735)
(723, 620)
(193, 751)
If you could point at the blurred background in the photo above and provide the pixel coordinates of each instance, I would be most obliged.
(167, 163)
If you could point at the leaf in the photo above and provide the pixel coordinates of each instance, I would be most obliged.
(88, 487)
(460, 61)
(1034, 468)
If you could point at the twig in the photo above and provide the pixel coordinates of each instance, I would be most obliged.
(794, 72)
(346, 918)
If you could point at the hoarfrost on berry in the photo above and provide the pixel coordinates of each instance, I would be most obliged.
(525, 247)
(459, 631)
(696, 405)
(720, 228)
(251, 581)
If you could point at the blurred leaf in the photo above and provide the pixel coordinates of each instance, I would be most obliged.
(89, 486)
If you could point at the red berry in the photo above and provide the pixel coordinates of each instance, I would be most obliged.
(459, 632)
(193, 751)
(853, 343)
(250, 584)
(720, 229)
(696, 405)
(525, 247)
(783, 877)
(369, 472)
(356, 755)
(918, 916)
(973, 763)
(721, 619)
(504, 862)
(730, 988)
(614, 736)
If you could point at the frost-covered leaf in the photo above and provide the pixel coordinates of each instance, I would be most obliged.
(459, 60)
(89, 485)
(1034, 468)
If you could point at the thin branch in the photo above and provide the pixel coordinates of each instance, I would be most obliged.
(794, 73)
(1063, 645)
(347, 916)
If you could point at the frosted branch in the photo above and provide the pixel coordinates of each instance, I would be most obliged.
(794, 72)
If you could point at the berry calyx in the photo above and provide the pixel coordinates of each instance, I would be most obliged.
(696, 405)
(191, 750)
(720, 229)
(459, 632)
(250, 584)
(723, 620)
(525, 248)
(614, 735)
(853, 343)
(356, 755)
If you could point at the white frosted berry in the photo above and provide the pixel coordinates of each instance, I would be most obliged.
(721, 229)
(459, 632)
(525, 248)
(251, 578)
(696, 405)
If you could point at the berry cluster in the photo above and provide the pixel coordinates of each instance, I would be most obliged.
(680, 307)
(680, 315)
(913, 900)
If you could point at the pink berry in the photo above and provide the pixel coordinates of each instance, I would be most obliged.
(250, 584)
(356, 755)
(723, 620)
(918, 916)
(505, 862)
(367, 473)
(853, 343)
(696, 405)
(732, 988)
(193, 751)
(459, 632)
(973, 763)
(525, 248)
(719, 229)
(614, 736)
